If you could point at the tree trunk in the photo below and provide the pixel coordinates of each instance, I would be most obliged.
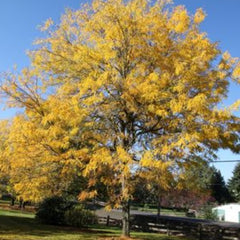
(21, 204)
(12, 201)
(126, 219)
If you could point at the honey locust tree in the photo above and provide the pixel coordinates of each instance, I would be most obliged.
(42, 140)
(144, 85)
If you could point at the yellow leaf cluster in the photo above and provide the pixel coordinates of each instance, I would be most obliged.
(199, 16)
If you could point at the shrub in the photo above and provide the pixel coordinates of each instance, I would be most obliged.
(52, 210)
(209, 214)
(79, 217)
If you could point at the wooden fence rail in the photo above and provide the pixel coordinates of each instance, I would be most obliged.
(199, 229)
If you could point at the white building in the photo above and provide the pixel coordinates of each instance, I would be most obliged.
(228, 212)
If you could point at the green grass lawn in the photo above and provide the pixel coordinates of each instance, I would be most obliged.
(17, 225)
(164, 211)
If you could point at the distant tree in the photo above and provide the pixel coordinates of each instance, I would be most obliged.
(191, 190)
(159, 179)
(196, 175)
(141, 193)
(218, 187)
(205, 178)
(234, 184)
(186, 199)
(200, 178)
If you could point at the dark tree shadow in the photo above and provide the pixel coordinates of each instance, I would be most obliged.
(14, 225)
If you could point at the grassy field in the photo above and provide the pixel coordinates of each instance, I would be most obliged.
(16, 225)
(164, 211)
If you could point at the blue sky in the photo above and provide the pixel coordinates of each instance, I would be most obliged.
(222, 26)
(19, 21)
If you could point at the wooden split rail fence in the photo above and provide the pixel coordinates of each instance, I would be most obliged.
(198, 229)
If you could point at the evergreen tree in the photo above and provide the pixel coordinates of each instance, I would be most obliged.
(234, 183)
(218, 187)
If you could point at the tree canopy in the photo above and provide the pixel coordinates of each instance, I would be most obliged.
(115, 87)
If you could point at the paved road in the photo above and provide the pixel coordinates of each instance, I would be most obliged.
(117, 213)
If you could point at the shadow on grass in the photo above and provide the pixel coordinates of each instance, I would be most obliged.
(115, 232)
(23, 225)
(19, 227)
(155, 236)
(14, 225)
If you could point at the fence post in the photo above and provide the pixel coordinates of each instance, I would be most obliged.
(168, 229)
(222, 233)
(108, 218)
(218, 233)
(200, 231)
(238, 234)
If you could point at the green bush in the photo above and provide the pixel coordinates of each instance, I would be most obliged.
(208, 213)
(52, 210)
(79, 217)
